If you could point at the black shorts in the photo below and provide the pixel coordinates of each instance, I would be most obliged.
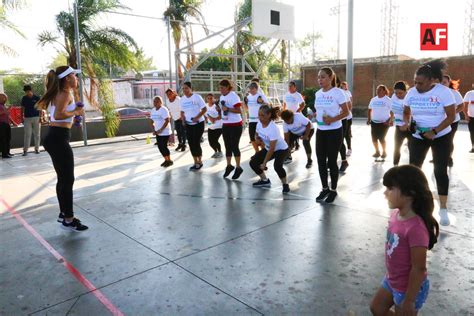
(252, 130)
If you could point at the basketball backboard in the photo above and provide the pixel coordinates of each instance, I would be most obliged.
(273, 19)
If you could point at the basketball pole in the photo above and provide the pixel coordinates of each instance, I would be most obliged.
(289, 61)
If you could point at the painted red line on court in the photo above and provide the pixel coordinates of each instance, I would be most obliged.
(83, 280)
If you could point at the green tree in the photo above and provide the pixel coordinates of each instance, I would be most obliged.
(7, 6)
(180, 11)
(99, 47)
(218, 63)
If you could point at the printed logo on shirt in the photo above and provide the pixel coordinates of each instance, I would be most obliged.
(323, 100)
(428, 102)
(434, 36)
(378, 103)
(392, 242)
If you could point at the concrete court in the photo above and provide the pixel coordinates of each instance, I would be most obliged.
(172, 242)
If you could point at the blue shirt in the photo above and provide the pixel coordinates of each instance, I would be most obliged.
(29, 105)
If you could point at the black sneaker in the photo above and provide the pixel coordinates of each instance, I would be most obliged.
(167, 163)
(237, 173)
(286, 188)
(288, 160)
(376, 155)
(471, 151)
(322, 195)
(450, 162)
(195, 167)
(183, 147)
(75, 226)
(344, 165)
(60, 217)
(179, 147)
(309, 164)
(163, 164)
(262, 183)
(228, 170)
(331, 196)
(384, 155)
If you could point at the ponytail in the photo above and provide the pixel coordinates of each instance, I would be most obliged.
(432, 70)
(274, 111)
(412, 183)
(54, 85)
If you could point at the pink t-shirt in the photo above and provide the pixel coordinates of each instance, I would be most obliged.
(401, 236)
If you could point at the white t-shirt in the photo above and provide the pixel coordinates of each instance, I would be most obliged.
(293, 101)
(270, 133)
(381, 108)
(348, 100)
(427, 109)
(212, 112)
(159, 117)
(328, 103)
(254, 106)
(298, 127)
(469, 98)
(397, 109)
(232, 101)
(458, 100)
(191, 107)
(174, 108)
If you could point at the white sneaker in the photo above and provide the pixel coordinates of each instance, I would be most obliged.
(443, 217)
(219, 155)
(214, 155)
(349, 152)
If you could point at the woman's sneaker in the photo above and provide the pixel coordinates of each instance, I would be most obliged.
(228, 170)
(286, 188)
(262, 183)
(309, 164)
(322, 195)
(331, 196)
(237, 173)
(167, 163)
(443, 217)
(349, 152)
(60, 217)
(75, 226)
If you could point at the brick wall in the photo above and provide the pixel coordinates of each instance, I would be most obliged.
(368, 75)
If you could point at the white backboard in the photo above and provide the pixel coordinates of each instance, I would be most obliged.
(273, 19)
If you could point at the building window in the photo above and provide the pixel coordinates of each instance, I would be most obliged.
(155, 92)
(136, 93)
(147, 93)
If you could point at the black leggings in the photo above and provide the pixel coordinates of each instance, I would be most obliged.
(163, 145)
(471, 130)
(306, 143)
(181, 131)
(348, 134)
(214, 135)
(252, 130)
(378, 132)
(231, 135)
(279, 156)
(454, 129)
(57, 145)
(440, 148)
(342, 150)
(194, 134)
(328, 144)
(5, 139)
(400, 136)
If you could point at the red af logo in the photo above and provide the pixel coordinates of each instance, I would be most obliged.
(434, 36)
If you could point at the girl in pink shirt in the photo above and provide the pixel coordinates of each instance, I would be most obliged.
(412, 230)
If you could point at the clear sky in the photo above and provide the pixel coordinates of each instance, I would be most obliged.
(152, 36)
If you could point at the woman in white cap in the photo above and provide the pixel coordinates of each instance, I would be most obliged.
(58, 97)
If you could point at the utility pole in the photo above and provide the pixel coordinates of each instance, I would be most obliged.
(350, 35)
(168, 24)
(79, 66)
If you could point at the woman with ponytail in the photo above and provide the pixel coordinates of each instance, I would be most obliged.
(331, 107)
(60, 84)
(412, 230)
(431, 106)
(268, 136)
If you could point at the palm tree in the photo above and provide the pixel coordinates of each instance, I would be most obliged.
(179, 12)
(99, 45)
(5, 23)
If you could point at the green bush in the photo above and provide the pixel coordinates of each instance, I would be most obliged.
(308, 94)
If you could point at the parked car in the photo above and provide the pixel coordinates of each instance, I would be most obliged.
(126, 113)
